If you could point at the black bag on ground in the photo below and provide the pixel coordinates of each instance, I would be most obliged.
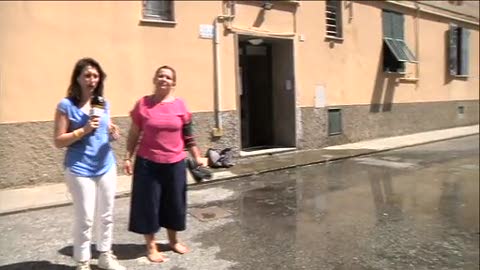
(220, 159)
(198, 172)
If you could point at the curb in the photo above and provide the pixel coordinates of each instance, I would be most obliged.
(321, 161)
(195, 186)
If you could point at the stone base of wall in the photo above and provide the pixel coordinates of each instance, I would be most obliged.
(28, 156)
(363, 122)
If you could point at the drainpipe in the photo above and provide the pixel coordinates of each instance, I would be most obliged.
(218, 130)
(417, 42)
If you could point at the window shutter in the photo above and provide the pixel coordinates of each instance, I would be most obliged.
(396, 49)
(151, 7)
(158, 8)
(387, 24)
(339, 19)
(397, 26)
(465, 40)
(452, 49)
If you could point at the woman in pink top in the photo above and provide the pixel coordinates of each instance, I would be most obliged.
(160, 130)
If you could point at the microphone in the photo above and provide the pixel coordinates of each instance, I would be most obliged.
(97, 106)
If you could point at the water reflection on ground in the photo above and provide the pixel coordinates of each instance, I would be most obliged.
(409, 209)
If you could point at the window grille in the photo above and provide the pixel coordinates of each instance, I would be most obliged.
(333, 15)
(334, 122)
(158, 10)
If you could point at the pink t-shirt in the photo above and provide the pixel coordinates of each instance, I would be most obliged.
(161, 126)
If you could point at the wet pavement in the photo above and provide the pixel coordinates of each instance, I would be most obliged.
(414, 208)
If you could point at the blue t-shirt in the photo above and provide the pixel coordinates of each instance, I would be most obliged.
(92, 155)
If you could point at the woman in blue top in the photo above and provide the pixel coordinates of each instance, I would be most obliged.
(90, 169)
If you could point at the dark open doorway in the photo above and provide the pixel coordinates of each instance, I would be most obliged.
(256, 98)
(267, 95)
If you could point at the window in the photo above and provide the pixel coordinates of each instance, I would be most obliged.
(334, 122)
(458, 50)
(161, 10)
(333, 15)
(395, 51)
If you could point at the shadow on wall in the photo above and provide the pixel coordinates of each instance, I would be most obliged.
(382, 89)
(447, 77)
(260, 18)
(276, 5)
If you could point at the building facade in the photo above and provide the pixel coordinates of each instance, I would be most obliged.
(257, 75)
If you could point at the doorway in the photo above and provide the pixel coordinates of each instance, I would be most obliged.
(267, 94)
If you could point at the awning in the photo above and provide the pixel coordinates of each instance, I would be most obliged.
(400, 50)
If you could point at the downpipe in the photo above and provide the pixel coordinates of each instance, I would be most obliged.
(218, 130)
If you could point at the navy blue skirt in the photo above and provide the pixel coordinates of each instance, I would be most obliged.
(159, 197)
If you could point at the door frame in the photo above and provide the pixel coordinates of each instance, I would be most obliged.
(239, 37)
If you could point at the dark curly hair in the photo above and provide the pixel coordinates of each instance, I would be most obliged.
(74, 92)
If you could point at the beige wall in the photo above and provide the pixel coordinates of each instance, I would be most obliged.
(467, 9)
(343, 68)
(42, 40)
(40, 47)
(351, 71)
(280, 19)
(434, 83)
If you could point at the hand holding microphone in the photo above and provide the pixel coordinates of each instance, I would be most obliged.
(92, 124)
(97, 108)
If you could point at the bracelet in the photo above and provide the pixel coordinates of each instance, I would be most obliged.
(76, 133)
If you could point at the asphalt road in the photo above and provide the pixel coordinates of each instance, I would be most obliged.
(414, 208)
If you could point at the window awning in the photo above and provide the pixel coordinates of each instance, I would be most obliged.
(400, 50)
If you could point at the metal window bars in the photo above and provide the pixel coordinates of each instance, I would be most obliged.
(331, 15)
(158, 9)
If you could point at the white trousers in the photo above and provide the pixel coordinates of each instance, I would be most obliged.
(93, 199)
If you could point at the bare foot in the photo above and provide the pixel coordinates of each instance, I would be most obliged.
(154, 255)
(179, 248)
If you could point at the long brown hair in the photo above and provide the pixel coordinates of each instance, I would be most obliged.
(74, 92)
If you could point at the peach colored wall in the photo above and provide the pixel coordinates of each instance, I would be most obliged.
(350, 70)
(434, 84)
(280, 19)
(42, 40)
(346, 69)
(42, 45)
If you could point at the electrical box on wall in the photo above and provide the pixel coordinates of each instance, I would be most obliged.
(217, 132)
(206, 31)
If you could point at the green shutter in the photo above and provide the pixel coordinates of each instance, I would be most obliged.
(392, 24)
(398, 35)
(387, 24)
(339, 19)
(396, 49)
(408, 53)
(397, 26)
(464, 43)
(452, 50)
